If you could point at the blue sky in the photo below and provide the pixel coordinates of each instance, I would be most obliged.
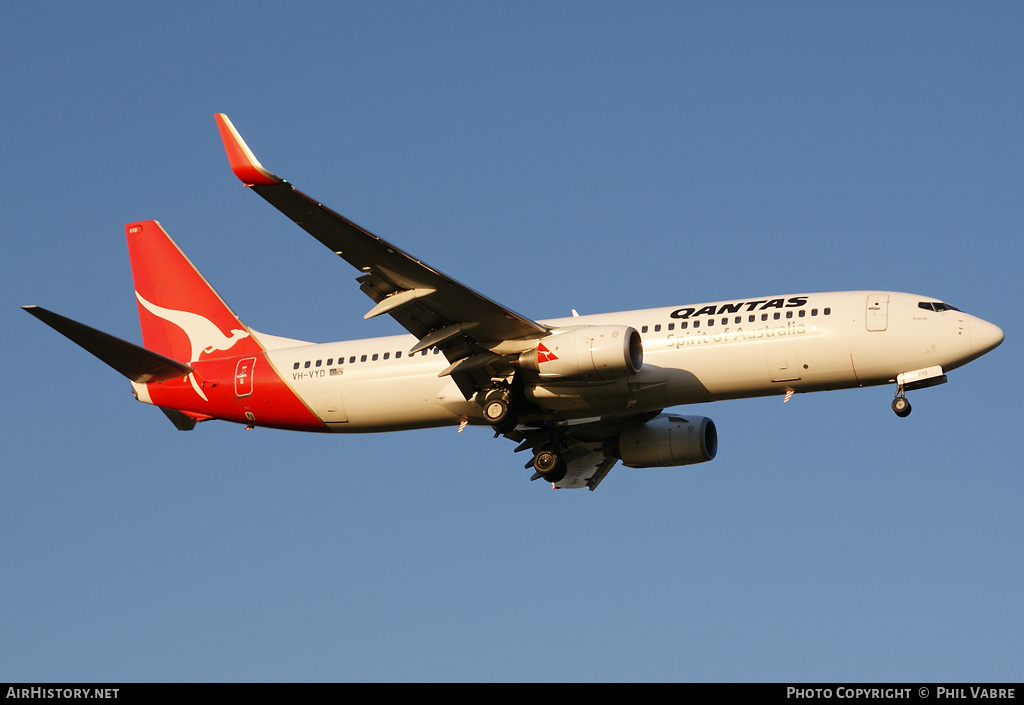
(597, 156)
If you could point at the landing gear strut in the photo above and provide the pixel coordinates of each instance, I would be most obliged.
(900, 405)
(916, 379)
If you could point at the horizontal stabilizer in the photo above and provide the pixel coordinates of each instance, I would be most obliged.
(134, 362)
(180, 420)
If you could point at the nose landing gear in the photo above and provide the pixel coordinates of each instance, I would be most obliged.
(900, 405)
(917, 379)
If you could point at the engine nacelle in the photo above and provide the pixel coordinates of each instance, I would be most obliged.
(665, 441)
(590, 352)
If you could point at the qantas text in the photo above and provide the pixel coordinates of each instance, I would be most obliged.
(764, 304)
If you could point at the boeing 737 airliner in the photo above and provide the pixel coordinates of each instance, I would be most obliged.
(579, 393)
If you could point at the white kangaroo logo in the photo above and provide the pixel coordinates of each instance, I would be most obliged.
(203, 335)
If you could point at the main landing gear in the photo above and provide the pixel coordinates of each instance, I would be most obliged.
(500, 414)
(500, 408)
(502, 404)
(549, 466)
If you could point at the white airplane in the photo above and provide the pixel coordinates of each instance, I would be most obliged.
(579, 393)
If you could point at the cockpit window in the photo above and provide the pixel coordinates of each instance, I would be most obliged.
(936, 306)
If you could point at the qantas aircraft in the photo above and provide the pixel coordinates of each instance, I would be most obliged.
(579, 393)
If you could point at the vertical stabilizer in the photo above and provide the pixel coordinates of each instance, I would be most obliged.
(181, 315)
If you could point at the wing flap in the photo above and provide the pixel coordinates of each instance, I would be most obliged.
(587, 471)
(586, 465)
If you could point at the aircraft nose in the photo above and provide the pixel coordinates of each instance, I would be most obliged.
(984, 336)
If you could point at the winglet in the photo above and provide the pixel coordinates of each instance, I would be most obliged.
(243, 161)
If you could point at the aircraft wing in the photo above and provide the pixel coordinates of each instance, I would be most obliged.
(586, 468)
(581, 445)
(438, 310)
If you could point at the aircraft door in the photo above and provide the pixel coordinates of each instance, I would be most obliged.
(330, 408)
(782, 365)
(877, 314)
(243, 377)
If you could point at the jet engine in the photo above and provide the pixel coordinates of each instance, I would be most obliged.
(590, 352)
(666, 440)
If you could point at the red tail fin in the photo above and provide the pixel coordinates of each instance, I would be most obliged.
(181, 315)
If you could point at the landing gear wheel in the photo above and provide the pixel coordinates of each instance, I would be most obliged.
(500, 415)
(495, 411)
(901, 407)
(549, 466)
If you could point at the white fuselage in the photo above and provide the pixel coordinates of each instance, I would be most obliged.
(696, 353)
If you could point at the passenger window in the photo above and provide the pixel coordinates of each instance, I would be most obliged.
(643, 329)
(738, 319)
(814, 312)
(751, 318)
(374, 358)
(671, 326)
(319, 362)
(827, 311)
(387, 355)
(295, 366)
(683, 325)
(362, 358)
(352, 359)
(657, 328)
(801, 313)
(789, 314)
(398, 354)
(696, 324)
(330, 361)
(711, 321)
(306, 365)
(764, 316)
